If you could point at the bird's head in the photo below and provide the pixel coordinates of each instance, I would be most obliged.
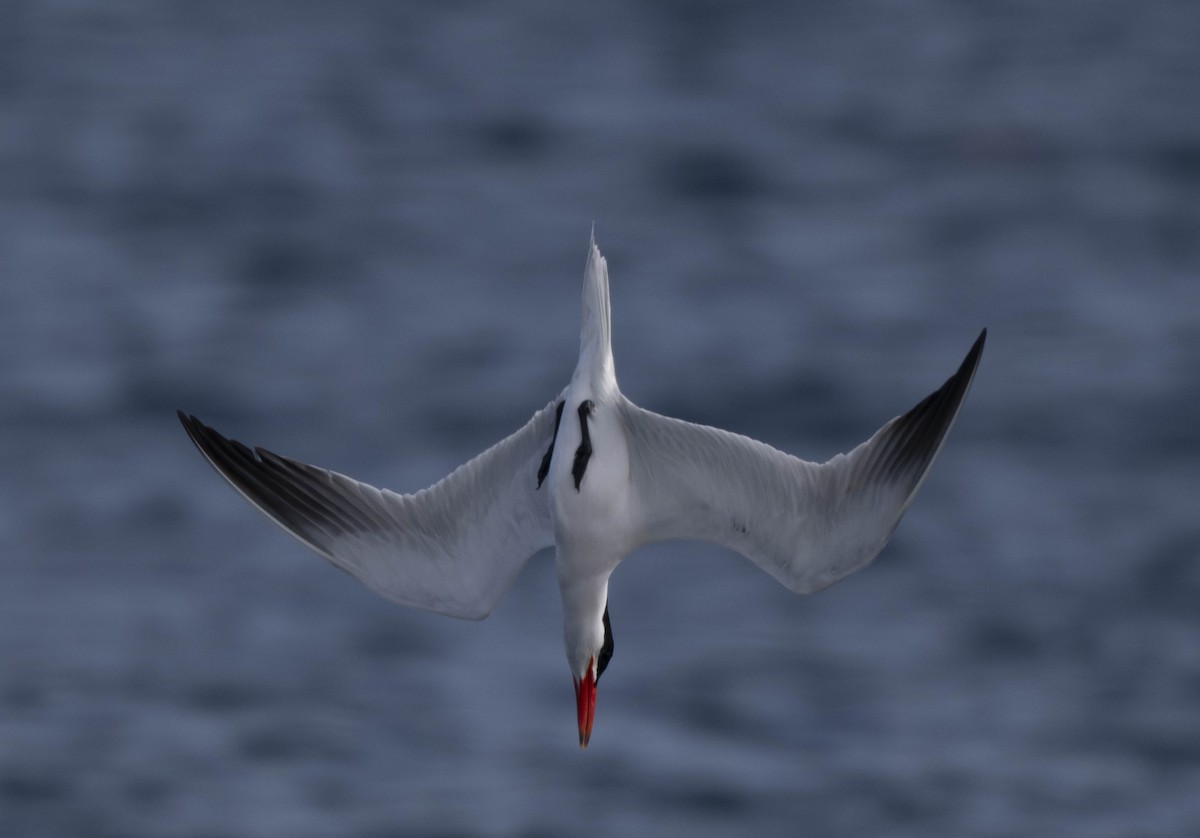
(588, 664)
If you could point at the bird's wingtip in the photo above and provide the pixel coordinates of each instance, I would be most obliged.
(972, 360)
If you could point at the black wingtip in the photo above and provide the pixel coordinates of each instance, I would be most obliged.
(296, 501)
(198, 432)
(190, 424)
(972, 359)
(956, 385)
(910, 442)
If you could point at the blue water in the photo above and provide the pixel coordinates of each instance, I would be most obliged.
(354, 233)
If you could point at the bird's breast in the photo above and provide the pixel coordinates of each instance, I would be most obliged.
(589, 476)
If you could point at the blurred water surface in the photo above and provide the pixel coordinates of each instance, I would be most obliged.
(354, 233)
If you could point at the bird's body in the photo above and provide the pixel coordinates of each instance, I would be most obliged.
(595, 476)
(594, 521)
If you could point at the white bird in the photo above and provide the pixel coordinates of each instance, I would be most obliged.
(595, 476)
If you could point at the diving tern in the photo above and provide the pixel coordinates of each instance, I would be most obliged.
(595, 476)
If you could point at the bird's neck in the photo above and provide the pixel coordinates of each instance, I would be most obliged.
(584, 598)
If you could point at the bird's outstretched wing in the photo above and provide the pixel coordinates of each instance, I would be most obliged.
(808, 525)
(453, 548)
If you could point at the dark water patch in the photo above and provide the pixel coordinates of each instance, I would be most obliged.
(329, 794)
(858, 123)
(1177, 163)
(1164, 748)
(538, 832)
(808, 406)
(15, 66)
(712, 714)
(270, 202)
(148, 792)
(224, 697)
(152, 206)
(703, 703)
(350, 102)
(512, 136)
(605, 774)
(1188, 687)
(705, 800)
(390, 641)
(895, 801)
(19, 696)
(271, 746)
(1175, 236)
(707, 175)
(695, 38)
(1169, 577)
(159, 514)
(33, 789)
(994, 639)
(960, 230)
(288, 259)
(282, 742)
(1169, 751)
(427, 831)
(407, 832)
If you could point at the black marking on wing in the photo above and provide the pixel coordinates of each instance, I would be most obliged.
(584, 452)
(606, 649)
(301, 497)
(544, 468)
(907, 445)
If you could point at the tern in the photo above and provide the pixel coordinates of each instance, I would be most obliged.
(595, 476)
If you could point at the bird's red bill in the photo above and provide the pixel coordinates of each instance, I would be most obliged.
(585, 701)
